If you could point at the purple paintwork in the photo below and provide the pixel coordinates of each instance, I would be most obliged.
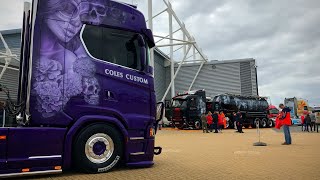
(69, 88)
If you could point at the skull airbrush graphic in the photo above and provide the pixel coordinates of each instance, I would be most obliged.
(63, 69)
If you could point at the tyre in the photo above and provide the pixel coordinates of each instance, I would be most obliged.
(97, 148)
(270, 123)
(197, 125)
(264, 123)
(256, 123)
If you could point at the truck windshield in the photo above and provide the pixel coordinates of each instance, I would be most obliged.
(112, 45)
(274, 111)
(179, 103)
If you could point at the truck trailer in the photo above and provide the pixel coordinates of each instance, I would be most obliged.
(86, 95)
(298, 106)
(254, 110)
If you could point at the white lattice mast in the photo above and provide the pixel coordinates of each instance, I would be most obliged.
(186, 44)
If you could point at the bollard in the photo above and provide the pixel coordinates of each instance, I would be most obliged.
(259, 143)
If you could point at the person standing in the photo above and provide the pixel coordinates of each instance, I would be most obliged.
(286, 122)
(204, 123)
(240, 122)
(215, 121)
(313, 121)
(317, 114)
(302, 122)
(220, 122)
(209, 121)
(307, 121)
(223, 120)
(235, 120)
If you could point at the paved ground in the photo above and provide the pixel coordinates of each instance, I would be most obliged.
(228, 155)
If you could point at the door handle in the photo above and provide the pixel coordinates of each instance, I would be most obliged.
(109, 95)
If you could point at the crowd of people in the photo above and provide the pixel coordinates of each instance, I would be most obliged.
(217, 121)
(308, 120)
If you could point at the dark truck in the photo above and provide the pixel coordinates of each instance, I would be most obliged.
(186, 109)
(254, 110)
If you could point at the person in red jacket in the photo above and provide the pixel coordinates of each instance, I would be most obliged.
(286, 123)
(210, 121)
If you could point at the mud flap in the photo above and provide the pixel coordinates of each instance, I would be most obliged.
(157, 150)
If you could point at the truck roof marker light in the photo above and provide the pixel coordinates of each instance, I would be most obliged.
(3, 137)
(25, 170)
(57, 167)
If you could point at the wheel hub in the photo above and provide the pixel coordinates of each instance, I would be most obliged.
(99, 148)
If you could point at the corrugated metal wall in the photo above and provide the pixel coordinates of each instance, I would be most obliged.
(11, 77)
(245, 77)
(13, 41)
(217, 78)
(254, 79)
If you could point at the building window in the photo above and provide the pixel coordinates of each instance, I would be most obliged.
(112, 45)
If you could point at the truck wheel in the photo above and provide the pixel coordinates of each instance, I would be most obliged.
(264, 123)
(98, 148)
(256, 123)
(197, 125)
(270, 123)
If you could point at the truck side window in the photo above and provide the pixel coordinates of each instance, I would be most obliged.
(112, 45)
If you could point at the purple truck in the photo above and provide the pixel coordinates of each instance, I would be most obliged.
(86, 95)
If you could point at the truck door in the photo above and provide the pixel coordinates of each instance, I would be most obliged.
(124, 88)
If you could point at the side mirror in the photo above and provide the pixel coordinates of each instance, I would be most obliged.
(143, 51)
(160, 111)
(150, 70)
(149, 37)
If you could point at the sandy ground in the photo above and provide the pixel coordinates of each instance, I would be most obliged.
(227, 155)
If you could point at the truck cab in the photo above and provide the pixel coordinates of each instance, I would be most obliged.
(187, 109)
(86, 91)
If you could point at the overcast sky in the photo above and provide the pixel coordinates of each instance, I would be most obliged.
(282, 35)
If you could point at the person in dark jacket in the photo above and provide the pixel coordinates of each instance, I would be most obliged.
(235, 119)
(307, 121)
(240, 122)
(215, 121)
(313, 121)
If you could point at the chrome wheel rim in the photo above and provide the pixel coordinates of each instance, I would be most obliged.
(197, 125)
(99, 148)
